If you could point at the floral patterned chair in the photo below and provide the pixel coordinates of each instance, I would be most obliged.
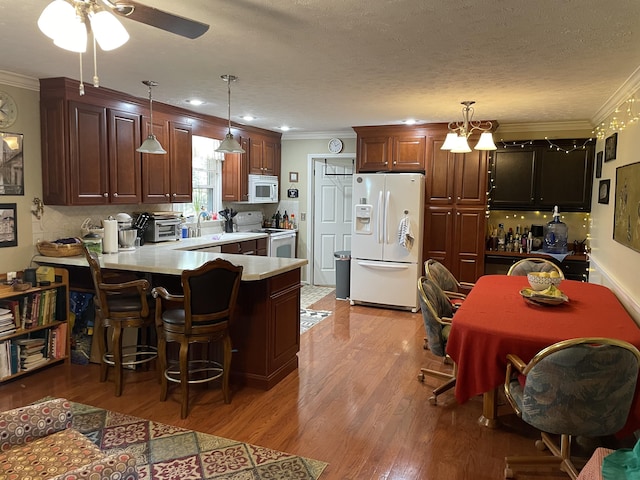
(37, 441)
(582, 386)
(436, 314)
(441, 275)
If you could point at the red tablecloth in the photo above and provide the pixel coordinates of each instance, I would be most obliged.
(495, 320)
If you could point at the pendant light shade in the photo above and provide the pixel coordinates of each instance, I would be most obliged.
(151, 143)
(456, 140)
(229, 144)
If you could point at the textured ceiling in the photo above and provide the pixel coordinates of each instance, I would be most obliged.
(328, 65)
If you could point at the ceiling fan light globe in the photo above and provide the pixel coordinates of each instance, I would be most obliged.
(486, 142)
(72, 36)
(151, 145)
(230, 145)
(56, 14)
(109, 32)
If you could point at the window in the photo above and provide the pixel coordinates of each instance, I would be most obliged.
(206, 170)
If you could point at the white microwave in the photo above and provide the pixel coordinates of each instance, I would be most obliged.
(263, 189)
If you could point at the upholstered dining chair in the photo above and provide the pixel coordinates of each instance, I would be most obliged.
(528, 265)
(202, 314)
(436, 314)
(452, 288)
(121, 306)
(582, 386)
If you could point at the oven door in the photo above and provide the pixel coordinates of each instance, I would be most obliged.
(282, 245)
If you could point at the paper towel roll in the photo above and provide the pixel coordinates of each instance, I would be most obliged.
(110, 242)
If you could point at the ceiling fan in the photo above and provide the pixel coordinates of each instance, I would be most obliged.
(157, 18)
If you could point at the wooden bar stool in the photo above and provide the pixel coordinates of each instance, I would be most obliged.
(121, 306)
(201, 315)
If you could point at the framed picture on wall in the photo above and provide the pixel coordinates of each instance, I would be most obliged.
(610, 146)
(8, 225)
(603, 191)
(626, 216)
(599, 164)
(11, 164)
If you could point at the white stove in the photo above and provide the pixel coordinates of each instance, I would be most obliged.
(281, 242)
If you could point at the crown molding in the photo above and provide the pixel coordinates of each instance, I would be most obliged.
(20, 81)
(626, 90)
(318, 135)
(544, 126)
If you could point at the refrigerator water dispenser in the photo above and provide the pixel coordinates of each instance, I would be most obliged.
(363, 225)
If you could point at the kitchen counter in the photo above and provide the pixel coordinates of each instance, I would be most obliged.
(173, 257)
(266, 329)
(517, 255)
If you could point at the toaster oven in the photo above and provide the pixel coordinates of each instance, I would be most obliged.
(163, 229)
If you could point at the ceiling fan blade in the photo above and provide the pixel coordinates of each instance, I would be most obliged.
(159, 19)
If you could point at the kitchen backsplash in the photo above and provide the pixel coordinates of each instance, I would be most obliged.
(577, 222)
(62, 222)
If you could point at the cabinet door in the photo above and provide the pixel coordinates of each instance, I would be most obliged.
(438, 235)
(269, 157)
(565, 179)
(89, 178)
(55, 167)
(180, 153)
(440, 174)
(231, 177)
(125, 164)
(468, 255)
(373, 154)
(512, 175)
(156, 168)
(256, 156)
(471, 178)
(409, 153)
(284, 323)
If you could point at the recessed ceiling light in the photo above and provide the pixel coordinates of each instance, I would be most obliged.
(410, 121)
(248, 118)
(284, 128)
(195, 102)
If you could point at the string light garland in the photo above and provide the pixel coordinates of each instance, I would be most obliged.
(623, 116)
(551, 145)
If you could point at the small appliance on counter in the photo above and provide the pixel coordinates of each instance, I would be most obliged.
(162, 227)
(537, 233)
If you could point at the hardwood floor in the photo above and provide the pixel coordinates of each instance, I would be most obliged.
(355, 402)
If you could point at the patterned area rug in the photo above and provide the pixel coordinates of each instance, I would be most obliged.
(164, 452)
(309, 318)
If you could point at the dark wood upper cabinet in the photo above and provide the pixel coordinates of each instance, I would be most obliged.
(125, 167)
(540, 176)
(393, 148)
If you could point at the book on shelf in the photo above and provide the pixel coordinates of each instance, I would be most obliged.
(12, 306)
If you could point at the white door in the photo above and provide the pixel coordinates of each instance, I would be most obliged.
(332, 215)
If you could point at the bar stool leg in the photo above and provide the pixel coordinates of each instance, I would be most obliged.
(116, 341)
(184, 377)
(101, 332)
(226, 368)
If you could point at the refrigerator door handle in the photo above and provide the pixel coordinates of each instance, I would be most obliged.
(386, 217)
(384, 265)
(380, 218)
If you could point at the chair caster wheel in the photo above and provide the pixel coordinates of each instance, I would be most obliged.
(540, 445)
(421, 377)
(433, 400)
(508, 473)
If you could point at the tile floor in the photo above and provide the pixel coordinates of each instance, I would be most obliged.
(311, 294)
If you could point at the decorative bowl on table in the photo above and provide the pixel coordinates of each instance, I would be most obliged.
(542, 280)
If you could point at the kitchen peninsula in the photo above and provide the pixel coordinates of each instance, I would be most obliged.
(266, 330)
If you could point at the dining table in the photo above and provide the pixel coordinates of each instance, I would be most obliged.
(497, 319)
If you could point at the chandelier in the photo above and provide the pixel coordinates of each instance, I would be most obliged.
(459, 132)
(69, 23)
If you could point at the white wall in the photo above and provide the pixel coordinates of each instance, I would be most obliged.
(28, 124)
(294, 155)
(612, 263)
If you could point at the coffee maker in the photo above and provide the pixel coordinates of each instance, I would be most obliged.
(537, 232)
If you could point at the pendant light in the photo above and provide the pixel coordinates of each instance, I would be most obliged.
(459, 132)
(229, 144)
(151, 144)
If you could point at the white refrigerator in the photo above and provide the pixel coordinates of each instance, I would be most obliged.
(386, 242)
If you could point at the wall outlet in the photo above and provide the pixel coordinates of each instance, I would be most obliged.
(303, 217)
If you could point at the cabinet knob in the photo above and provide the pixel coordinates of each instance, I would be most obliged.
(458, 213)
(395, 163)
(449, 197)
(105, 195)
(175, 194)
(166, 195)
(448, 213)
(458, 198)
(115, 195)
(532, 199)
